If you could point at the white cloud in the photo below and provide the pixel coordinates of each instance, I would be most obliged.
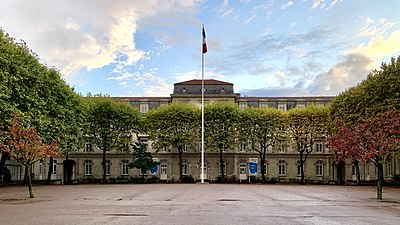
(379, 48)
(287, 5)
(375, 27)
(250, 18)
(327, 4)
(89, 34)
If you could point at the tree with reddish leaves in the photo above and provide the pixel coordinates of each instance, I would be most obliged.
(26, 146)
(374, 140)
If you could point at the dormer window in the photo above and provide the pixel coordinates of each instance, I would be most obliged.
(222, 90)
(184, 90)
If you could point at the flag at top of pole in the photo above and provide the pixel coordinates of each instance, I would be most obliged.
(204, 41)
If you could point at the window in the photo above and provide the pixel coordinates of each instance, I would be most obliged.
(108, 167)
(389, 168)
(265, 169)
(125, 167)
(223, 167)
(41, 166)
(242, 105)
(282, 168)
(144, 107)
(263, 104)
(282, 106)
(242, 168)
(54, 171)
(185, 148)
(184, 167)
(142, 172)
(298, 164)
(300, 105)
(319, 168)
(88, 167)
(320, 147)
(242, 147)
(88, 147)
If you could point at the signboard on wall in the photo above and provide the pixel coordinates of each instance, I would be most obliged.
(253, 166)
(154, 171)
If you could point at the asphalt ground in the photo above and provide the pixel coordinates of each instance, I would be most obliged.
(199, 204)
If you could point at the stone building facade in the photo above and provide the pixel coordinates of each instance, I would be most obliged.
(281, 164)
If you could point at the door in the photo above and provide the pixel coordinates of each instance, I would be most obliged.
(242, 171)
(163, 171)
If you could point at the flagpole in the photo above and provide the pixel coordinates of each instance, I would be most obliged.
(202, 109)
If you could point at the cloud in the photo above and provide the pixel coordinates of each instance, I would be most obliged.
(355, 65)
(90, 35)
(327, 4)
(287, 5)
(250, 18)
(375, 27)
(348, 72)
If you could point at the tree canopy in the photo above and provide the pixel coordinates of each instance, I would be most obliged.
(175, 125)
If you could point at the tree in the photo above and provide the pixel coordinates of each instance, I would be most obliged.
(142, 159)
(39, 95)
(305, 127)
(27, 147)
(111, 125)
(175, 125)
(220, 121)
(263, 127)
(378, 93)
(346, 144)
(373, 140)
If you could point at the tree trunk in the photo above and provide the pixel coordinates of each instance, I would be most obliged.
(180, 164)
(358, 176)
(50, 170)
(104, 180)
(380, 181)
(302, 168)
(262, 158)
(221, 166)
(29, 180)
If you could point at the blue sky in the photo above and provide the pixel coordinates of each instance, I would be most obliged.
(266, 48)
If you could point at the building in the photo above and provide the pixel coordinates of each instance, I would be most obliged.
(281, 166)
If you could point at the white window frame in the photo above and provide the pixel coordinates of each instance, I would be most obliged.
(88, 147)
(125, 167)
(185, 167)
(108, 167)
(298, 166)
(242, 105)
(144, 107)
(243, 146)
(282, 106)
(224, 168)
(263, 104)
(54, 169)
(88, 167)
(319, 168)
(319, 147)
(185, 148)
(300, 104)
(282, 168)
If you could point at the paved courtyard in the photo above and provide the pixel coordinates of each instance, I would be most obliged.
(199, 204)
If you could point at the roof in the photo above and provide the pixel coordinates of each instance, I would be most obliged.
(206, 82)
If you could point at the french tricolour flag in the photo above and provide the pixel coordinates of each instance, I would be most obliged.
(204, 41)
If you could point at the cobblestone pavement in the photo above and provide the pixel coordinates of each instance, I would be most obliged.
(199, 204)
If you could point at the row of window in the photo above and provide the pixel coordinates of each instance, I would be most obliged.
(282, 168)
(144, 106)
(319, 147)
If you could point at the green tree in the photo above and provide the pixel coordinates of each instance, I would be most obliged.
(26, 146)
(111, 125)
(378, 93)
(175, 125)
(305, 127)
(142, 159)
(220, 122)
(38, 94)
(263, 128)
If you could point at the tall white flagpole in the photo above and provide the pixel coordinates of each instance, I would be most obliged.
(202, 106)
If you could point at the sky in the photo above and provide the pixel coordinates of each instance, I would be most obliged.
(265, 48)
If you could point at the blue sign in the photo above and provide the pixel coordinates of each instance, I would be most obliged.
(253, 166)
